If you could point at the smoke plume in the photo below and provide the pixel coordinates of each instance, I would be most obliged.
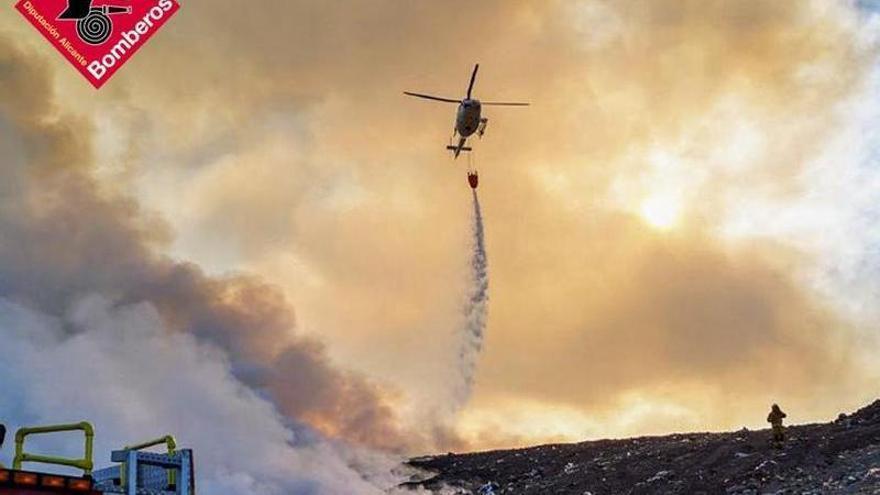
(134, 380)
(98, 324)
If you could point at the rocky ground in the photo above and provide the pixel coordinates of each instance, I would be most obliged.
(838, 457)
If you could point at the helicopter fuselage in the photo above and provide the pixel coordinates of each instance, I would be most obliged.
(467, 120)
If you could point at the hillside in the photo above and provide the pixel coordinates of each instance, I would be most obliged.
(838, 457)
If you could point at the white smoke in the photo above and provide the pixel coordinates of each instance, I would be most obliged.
(117, 367)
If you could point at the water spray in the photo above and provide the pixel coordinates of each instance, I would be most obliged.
(476, 308)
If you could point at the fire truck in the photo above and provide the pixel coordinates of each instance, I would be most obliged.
(136, 470)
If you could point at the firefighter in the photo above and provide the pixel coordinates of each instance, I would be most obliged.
(775, 419)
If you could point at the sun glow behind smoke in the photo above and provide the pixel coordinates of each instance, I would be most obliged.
(661, 211)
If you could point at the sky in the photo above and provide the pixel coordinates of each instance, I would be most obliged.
(680, 229)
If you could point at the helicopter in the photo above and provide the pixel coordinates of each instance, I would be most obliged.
(468, 119)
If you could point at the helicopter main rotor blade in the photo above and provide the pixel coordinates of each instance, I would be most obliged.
(504, 103)
(429, 97)
(473, 80)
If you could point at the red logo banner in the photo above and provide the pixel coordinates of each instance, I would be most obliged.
(97, 36)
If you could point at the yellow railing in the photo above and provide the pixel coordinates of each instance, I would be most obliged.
(169, 442)
(85, 463)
